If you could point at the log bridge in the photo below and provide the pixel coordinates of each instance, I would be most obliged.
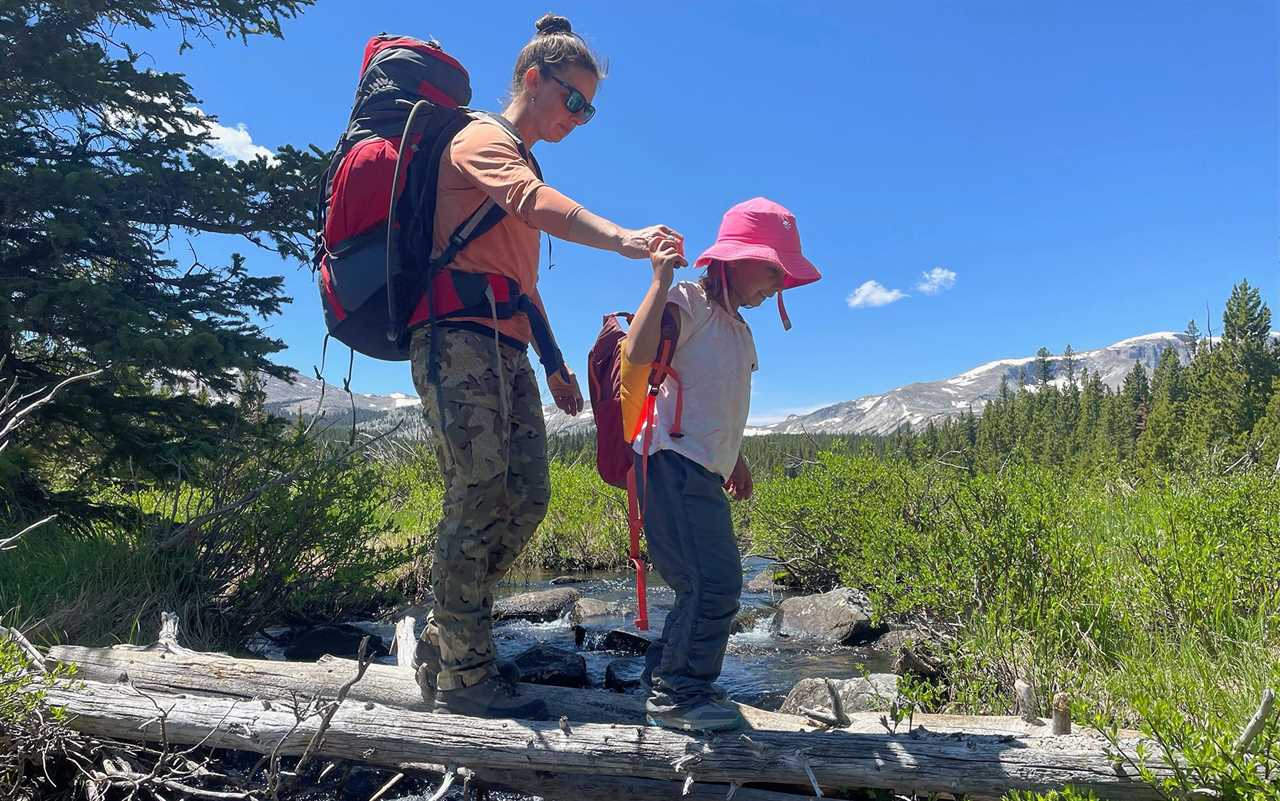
(595, 750)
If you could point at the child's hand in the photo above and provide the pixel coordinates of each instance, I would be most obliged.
(739, 484)
(666, 255)
(638, 243)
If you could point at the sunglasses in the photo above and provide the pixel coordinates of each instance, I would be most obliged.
(575, 102)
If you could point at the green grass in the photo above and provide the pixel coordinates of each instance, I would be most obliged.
(1152, 603)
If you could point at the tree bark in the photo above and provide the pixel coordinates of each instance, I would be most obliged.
(922, 761)
(169, 668)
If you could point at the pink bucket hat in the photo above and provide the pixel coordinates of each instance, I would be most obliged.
(764, 230)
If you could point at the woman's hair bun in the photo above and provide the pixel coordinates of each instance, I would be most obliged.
(549, 24)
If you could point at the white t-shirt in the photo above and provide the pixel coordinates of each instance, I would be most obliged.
(715, 358)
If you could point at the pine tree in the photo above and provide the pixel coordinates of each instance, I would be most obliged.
(1161, 442)
(1070, 363)
(1193, 335)
(1246, 335)
(1266, 434)
(1044, 367)
(1135, 399)
(1229, 385)
(103, 165)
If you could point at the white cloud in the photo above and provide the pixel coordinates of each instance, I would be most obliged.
(936, 280)
(229, 144)
(872, 294)
(234, 144)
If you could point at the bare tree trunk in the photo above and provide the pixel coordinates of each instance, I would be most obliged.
(919, 761)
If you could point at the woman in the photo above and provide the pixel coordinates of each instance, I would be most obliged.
(478, 390)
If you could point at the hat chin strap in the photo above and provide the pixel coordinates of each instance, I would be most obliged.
(782, 312)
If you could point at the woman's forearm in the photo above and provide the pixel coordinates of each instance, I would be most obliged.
(592, 230)
(562, 217)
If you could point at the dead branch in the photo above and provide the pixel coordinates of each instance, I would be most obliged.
(7, 544)
(23, 643)
(16, 413)
(1259, 719)
(363, 658)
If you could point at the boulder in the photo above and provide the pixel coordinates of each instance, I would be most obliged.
(623, 675)
(541, 607)
(592, 607)
(914, 651)
(764, 581)
(336, 639)
(619, 640)
(562, 580)
(871, 693)
(547, 664)
(842, 617)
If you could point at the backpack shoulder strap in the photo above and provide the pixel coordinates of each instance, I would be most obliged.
(505, 124)
(669, 337)
(489, 213)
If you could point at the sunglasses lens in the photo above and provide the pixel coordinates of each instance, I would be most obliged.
(575, 101)
(587, 113)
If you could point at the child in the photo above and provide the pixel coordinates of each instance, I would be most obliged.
(686, 515)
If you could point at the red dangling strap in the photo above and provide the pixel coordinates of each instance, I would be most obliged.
(635, 522)
(782, 312)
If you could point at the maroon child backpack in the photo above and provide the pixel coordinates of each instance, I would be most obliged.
(615, 458)
(604, 382)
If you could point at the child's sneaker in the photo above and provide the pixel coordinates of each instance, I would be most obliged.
(708, 716)
(718, 693)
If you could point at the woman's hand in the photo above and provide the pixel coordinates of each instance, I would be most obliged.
(564, 391)
(739, 484)
(639, 243)
(666, 256)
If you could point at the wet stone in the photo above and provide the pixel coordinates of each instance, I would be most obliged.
(747, 619)
(623, 675)
(337, 639)
(871, 693)
(539, 607)
(842, 616)
(547, 664)
(618, 640)
(562, 580)
(591, 607)
(764, 581)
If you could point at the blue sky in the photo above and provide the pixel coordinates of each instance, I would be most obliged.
(1080, 172)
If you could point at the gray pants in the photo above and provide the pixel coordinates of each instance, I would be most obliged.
(690, 540)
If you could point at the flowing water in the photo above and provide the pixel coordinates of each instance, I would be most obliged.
(759, 668)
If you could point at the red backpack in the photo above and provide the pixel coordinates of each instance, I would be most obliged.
(377, 206)
(615, 458)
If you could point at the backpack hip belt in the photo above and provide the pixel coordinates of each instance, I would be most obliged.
(454, 294)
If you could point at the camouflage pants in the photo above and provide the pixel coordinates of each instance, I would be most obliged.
(491, 442)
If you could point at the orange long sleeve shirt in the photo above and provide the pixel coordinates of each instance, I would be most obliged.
(484, 162)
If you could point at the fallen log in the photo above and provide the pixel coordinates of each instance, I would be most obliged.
(920, 761)
(178, 670)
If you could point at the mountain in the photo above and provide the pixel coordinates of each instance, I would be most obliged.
(919, 403)
(871, 414)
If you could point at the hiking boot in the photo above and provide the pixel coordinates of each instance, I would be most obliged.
(718, 694)
(426, 662)
(491, 698)
(708, 716)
